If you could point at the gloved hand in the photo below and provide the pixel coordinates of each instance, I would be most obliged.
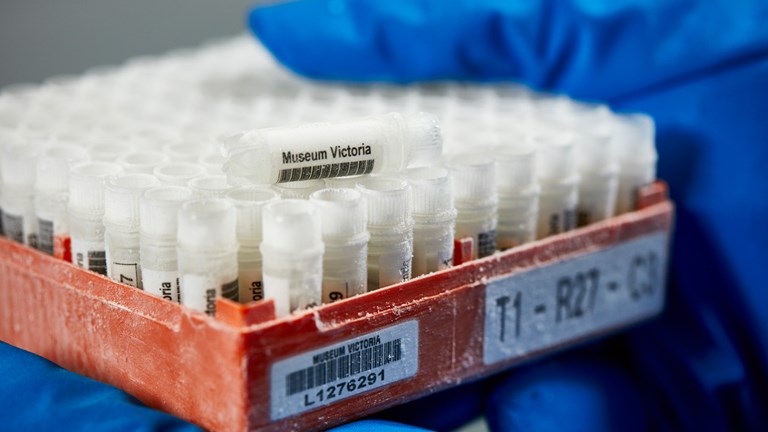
(701, 70)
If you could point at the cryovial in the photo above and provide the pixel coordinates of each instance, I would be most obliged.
(292, 254)
(209, 187)
(86, 213)
(378, 144)
(598, 174)
(121, 226)
(178, 173)
(18, 182)
(559, 180)
(434, 217)
(207, 253)
(476, 200)
(249, 202)
(636, 154)
(158, 218)
(390, 224)
(52, 196)
(518, 190)
(343, 216)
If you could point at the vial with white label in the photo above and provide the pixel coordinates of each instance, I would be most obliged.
(249, 202)
(476, 200)
(158, 220)
(636, 155)
(518, 190)
(178, 173)
(207, 253)
(18, 181)
(390, 224)
(559, 180)
(121, 226)
(378, 144)
(292, 254)
(434, 216)
(52, 196)
(343, 215)
(86, 213)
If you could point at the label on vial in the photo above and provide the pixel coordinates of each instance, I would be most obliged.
(126, 273)
(13, 227)
(251, 285)
(394, 268)
(278, 289)
(335, 290)
(45, 237)
(89, 255)
(348, 368)
(199, 292)
(486, 243)
(570, 299)
(162, 283)
(316, 172)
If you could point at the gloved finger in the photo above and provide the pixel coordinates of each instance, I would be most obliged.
(567, 395)
(587, 49)
(39, 395)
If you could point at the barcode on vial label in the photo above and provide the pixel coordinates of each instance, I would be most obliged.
(317, 172)
(332, 373)
(97, 262)
(45, 241)
(13, 227)
(557, 303)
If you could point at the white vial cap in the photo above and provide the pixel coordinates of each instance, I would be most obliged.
(474, 179)
(424, 139)
(53, 167)
(19, 163)
(291, 227)
(515, 167)
(299, 189)
(158, 211)
(209, 186)
(345, 182)
(343, 213)
(635, 135)
(556, 156)
(595, 150)
(108, 151)
(388, 198)
(207, 226)
(143, 161)
(249, 201)
(178, 173)
(121, 200)
(86, 186)
(432, 193)
(213, 162)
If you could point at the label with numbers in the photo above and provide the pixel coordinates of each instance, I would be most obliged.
(549, 305)
(336, 372)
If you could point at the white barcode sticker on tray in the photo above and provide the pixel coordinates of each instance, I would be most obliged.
(335, 372)
(570, 299)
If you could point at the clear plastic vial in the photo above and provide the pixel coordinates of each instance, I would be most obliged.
(636, 155)
(434, 216)
(18, 181)
(249, 201)
(292, 253)
(52, 196)
(378, 144)
(518, 190)
(86, 213)
(207, 253)
(343, 215)
(158, 216)
(390, 224)
(598, 174)
(559, 180)
(121, 226)
(476, 200)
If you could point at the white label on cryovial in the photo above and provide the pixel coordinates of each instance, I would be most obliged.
(199, 292)
(125, 272)
(278, 289)
(557, 303)
(395, 267)
(89, 255)
(162, 283)
(335, 372)
(251, 285)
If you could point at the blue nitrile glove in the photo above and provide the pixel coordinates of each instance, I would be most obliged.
(39, 395)
(700, 68)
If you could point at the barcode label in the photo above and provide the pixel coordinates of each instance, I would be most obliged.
(13, 227)
(231, 290)
(97, 262)
(570, 299)
(45, 239)
(486, 243)
(342, 367)
(336, 372)
(317, 172)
